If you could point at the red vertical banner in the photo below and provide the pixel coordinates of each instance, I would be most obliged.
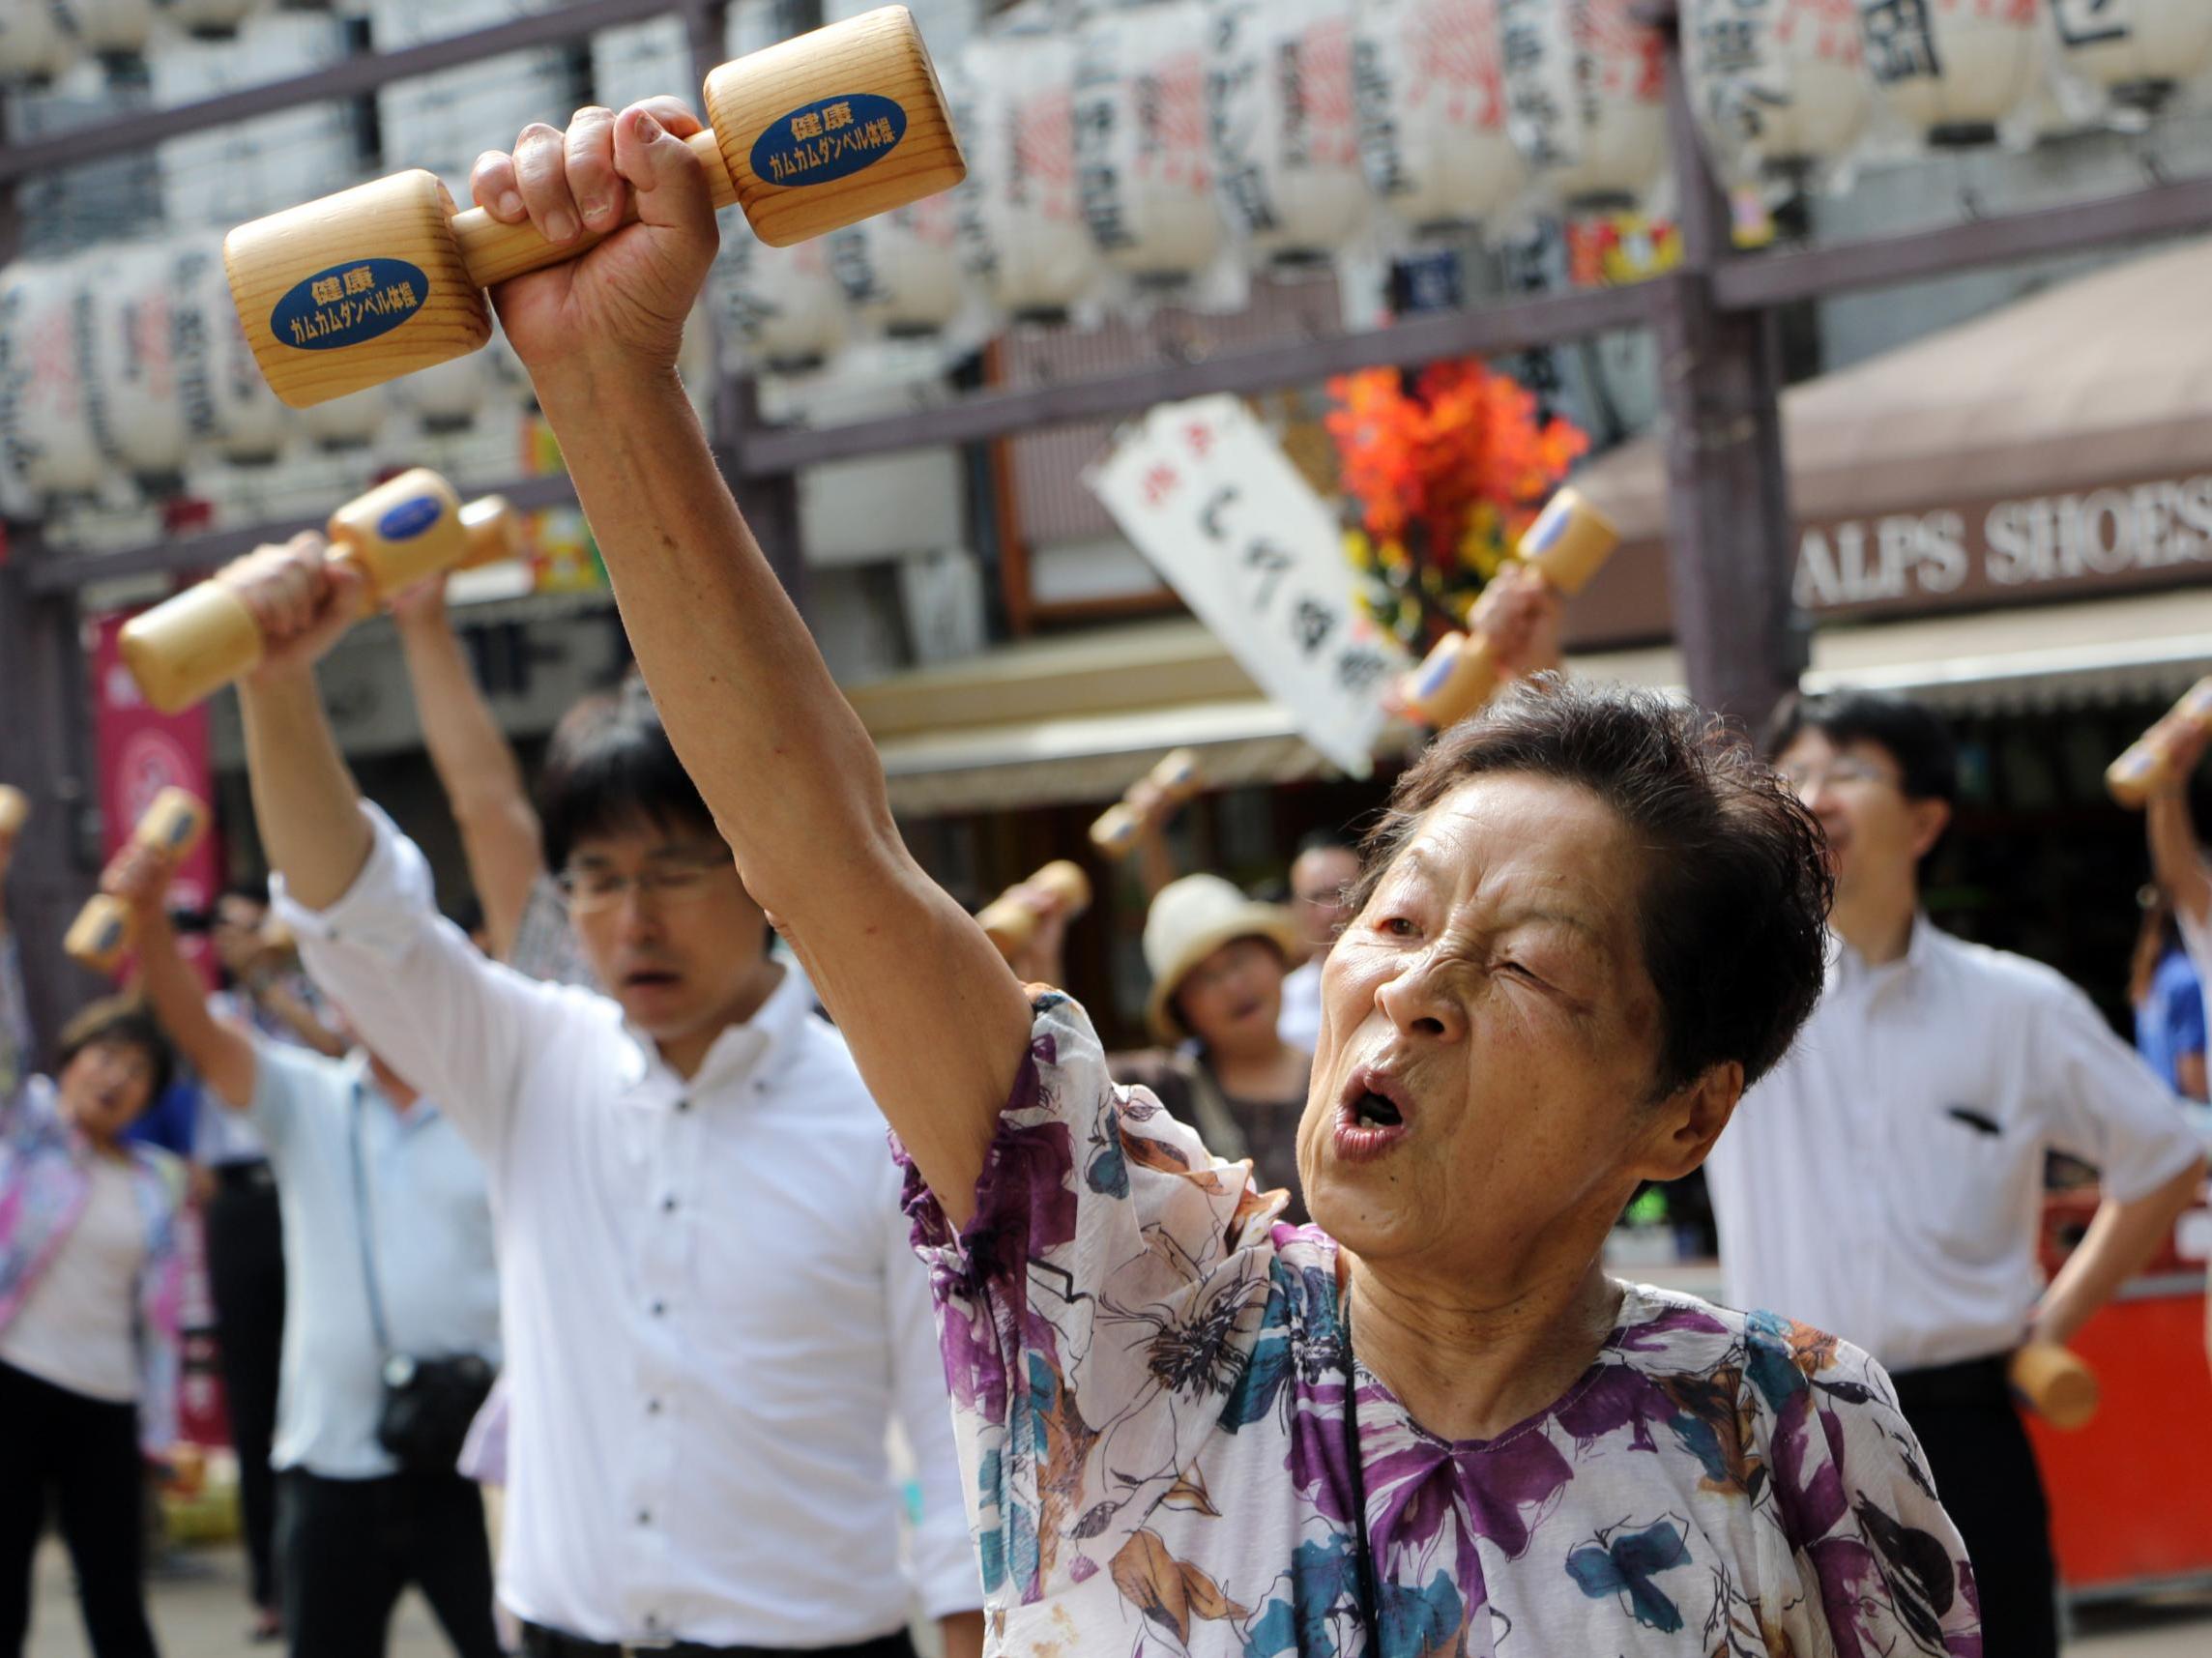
(140, 753)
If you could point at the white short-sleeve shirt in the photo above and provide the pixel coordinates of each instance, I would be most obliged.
(1886, 1181)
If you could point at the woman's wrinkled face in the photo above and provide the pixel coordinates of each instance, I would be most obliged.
(105, 1088)
(1234, 997)
(1489, 1036)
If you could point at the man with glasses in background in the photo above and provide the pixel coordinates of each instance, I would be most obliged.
(1886, 1181)
(709, 1312)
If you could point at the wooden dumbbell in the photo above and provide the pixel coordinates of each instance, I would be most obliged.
(807, 136)
(15, 809)
(1177, 777)
(1012, 923)
(172, 825)
(190, 647)
(1565, 545)
(2055, 1382)
(2147, 765)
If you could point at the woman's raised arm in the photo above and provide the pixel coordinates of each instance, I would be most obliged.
(935, 1018)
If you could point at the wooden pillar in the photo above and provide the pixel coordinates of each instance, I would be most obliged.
(1731, 539)
(43, 749)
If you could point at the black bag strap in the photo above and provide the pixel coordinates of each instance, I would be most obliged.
(363, 1230)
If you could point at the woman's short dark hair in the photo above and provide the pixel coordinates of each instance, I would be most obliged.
(1736, 894)
(1910, 733)
(610, 766)
(120, 1021)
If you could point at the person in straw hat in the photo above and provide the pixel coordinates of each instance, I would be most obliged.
(1218, 960)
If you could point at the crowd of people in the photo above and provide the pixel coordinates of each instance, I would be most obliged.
(1290, 1334)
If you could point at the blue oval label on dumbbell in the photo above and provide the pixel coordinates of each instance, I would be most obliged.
(830, 138)
(409, 518)
(348, 303)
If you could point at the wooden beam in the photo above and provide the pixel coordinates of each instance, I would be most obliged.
(1489, 331)
(62, 572)
(1744, 282)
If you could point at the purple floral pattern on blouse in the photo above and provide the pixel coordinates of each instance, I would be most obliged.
(1148, 1372)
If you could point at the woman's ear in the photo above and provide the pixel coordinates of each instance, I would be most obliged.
(1929, 819)
(1688, 1121)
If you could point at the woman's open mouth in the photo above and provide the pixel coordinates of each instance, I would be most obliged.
(1372, 1115)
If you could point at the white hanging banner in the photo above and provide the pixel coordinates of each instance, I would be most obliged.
(1206, 494)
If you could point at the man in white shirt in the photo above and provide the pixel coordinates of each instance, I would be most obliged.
(1885, 1181)
(711, 1314)
(1325, 869)
(388, 1236)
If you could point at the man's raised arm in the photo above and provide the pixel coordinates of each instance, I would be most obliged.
(934, 1017)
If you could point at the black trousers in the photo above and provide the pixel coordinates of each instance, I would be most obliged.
(346, 1548)
(539, 1642)
(1985, 1472)
(81, 1457)
(246, 1279)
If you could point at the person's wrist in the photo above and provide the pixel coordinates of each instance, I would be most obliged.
(602, 377)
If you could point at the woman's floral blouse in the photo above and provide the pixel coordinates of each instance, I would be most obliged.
(1147, 1374)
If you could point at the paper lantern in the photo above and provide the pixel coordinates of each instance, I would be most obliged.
(780, 306)
(905, 272)
(47, 436)
(1779, 86)
(1586, 97)
(445, 120)
(2139, 53)
(1431, 91)
(37, 41)
(1142, 168)
(349, 422)
(113, 28)
(216, 18)
(149, 356)
(1285, 128)
(1953, 69)
(639, 61)
(228, 405)
(1026, 240)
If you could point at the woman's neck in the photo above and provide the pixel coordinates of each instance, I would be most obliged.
(1275, 1070)
(1466, 1366)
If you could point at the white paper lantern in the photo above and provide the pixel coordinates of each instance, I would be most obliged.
(225, 176)
(149, 356)
(47, 431)
(37, 41)
(2139, 52)
(1028, 243)
(1143, 166)
(208, 17)
(349, 422)
(640, 61)
(780, 307)
(1778, 85)
(113, 28)
(1285, 128)
(228, 405)
(447, 396)
(444, 121)
(1432, 111)
(1953, 69)
(905, 272)
(1585, 95)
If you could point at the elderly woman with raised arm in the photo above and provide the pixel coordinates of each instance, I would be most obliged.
(1430, 1423)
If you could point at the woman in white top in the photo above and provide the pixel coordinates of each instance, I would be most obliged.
(89, 1297)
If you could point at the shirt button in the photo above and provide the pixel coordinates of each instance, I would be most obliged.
(658, 1308)
(683, 1105)
(653, 1406)
(668, 1205)
(645, 1518)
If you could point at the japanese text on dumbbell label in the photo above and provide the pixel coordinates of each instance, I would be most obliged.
(830, 138)
(348, 303)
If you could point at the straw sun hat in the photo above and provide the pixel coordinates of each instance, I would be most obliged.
(1188, 921)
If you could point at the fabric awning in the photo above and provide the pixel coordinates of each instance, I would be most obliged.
(2103, 378)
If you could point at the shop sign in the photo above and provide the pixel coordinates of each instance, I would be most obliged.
(2126, 535)
(1206, 493)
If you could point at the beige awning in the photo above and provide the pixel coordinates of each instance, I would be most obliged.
(2107, 377)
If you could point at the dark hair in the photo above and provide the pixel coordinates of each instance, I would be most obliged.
(1910, 733)
(1734, 902)
(1326, 840)
(611, 766)
(123, 1021)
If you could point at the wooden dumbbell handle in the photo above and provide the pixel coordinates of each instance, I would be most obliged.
(2055, 1383)
(494, 251)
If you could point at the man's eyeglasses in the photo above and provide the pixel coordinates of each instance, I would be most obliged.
(671, 880)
